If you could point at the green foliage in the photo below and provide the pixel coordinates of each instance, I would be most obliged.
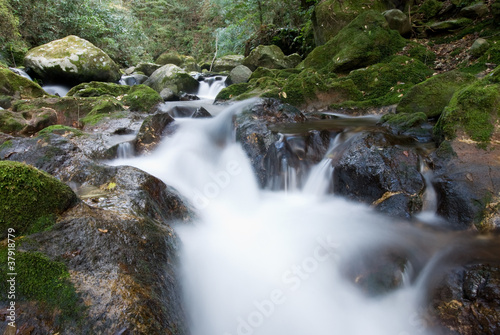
(28, 195)
(41, 279)
(106, 24)
(430, 8)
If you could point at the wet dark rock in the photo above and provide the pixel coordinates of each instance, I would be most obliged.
(254, 133)
(201, 113)
(467, 182)
(381, 170)
(152, 131)
(188, 97)
(467, 301)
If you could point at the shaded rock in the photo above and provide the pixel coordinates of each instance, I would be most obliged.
(479, 47)
(227, 63)
(168, 95)
(398, 21)
(152, 131)
(268, 56)
(72, 59)
(433, 95)
(30, 199)
(37, 120)
(172, 77)
(448, 26)
(477, 10)
(365, 41)
(238, 75)
(11, 122)
(370, 168)
(15, 87)
(147, 68)
(201, 113)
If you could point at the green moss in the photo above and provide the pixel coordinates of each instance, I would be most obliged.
(365, 41)
(474, 109)
(232, 91)
(404, 121)
(59, 129)
(433, 95)
(492, 55)
(97, 89)
(169, 57)
(11, 122)
(6, 145)
(28, 195)
(430, 8)
(106, 105)
(142, 98)
(421, 53)
(41, 279)
(384, 83)
(10, 83)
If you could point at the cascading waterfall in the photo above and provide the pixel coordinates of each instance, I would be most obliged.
(210, 87)
(273, 263)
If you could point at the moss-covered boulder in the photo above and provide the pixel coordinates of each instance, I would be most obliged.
(142, 98)
(11, 122)
(238, 75)
(13, 87)
(147, 68)
(172, 77)
(398, 20)
(473, 110)
(71, 59)
(331, 16)
(227, 63)
(269, 56)
(385, 83)
(97, 89)
(30, 199)
(365, 41)
(433, 95)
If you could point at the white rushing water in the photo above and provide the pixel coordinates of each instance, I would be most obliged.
(272, 263)
(210, 87)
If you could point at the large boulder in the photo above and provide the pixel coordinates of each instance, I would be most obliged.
(71, 59)
(227, 63)
(365, 41)
(269, 56)
(14, 87)
(330, 16)
(172, 77)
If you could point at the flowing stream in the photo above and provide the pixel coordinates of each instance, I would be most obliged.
(274, 262)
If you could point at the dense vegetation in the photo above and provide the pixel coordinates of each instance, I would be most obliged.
(134, 30)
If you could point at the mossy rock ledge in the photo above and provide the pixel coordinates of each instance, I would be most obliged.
(30, 199)
(72, 59)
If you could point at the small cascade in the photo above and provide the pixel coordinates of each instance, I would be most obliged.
(125, 150)
(20, 72)
(210, 87)
(429, 208)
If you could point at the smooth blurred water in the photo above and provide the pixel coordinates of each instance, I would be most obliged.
(275, 263)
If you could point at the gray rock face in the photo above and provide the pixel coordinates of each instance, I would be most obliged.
(479, 47)
(227, 63)
(238, 75)
(71, 59)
